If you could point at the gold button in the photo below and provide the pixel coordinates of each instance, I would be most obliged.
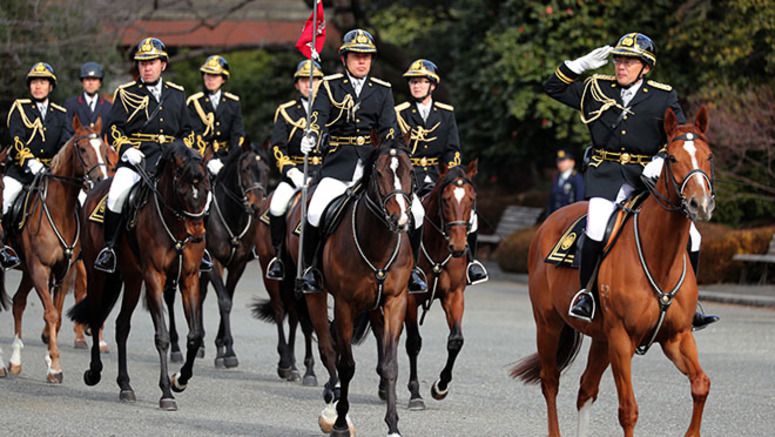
(217, 123)
(423, 162)
(218, 133)
(161, 130)
(161, 118)
(360, 141)
(625, 158)
(624, 132)
(625, 116)
(645, 90)
(357, 120)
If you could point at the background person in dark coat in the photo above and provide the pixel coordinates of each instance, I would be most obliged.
(567, 184)
(89, 105)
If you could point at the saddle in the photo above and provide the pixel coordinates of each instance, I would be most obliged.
(15, 218)
(334, 212)
(565, 251)
(138, 197)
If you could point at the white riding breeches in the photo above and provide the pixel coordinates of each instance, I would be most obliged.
(600, 211)
(11, 190)
(280, 199)
(123, 181)
(474, 222)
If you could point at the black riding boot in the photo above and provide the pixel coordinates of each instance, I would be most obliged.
(417, 283)
(106, 259)
(275, 270)
(475, 273)
(8, 257)
(583, 304)
(700, 319)
(310, 282)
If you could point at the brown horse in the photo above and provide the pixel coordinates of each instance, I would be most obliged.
(364, 274)
(238, 193)
(49, 240)
(167, 241)
(649, 258)
(4, 299)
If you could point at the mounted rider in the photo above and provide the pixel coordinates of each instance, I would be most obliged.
(434, 140)
(216, 117)
(347, 108)
(290, 122)
(625, 115)
(147, 116)
(38, 128)
(89, 105)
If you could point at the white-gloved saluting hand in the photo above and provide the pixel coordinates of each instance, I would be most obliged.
(214, 166)
(133, 156)
(296, 176)
(654, 168)
(35, 166)
(308, 143)
(591, 61)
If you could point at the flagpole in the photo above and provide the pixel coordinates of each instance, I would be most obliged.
(311, 98)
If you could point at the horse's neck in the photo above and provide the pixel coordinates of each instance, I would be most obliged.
(232, 211)
(664, 236)
(374, 237)
(434, 242)
(66, 189)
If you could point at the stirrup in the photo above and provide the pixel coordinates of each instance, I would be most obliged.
(573, 301)
(476, 263)
(10, 258)
(423, 284)
(313, 285)
(275, 263)
(101, 264)
(700, 320)
(206, 264)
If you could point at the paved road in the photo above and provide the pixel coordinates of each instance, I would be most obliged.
(738, 354)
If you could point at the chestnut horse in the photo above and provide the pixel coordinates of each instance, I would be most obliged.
(366, 263)
(49, 243)
(238, 192)
(167, 241)
(648, 259)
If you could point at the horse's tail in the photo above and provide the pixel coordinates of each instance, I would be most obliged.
(528, 369)
(361, 328)
(262, 310)
(93, 309)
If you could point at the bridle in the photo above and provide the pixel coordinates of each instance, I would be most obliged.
(88, 181)
(378, 206)
(444, 226)
(242, 197)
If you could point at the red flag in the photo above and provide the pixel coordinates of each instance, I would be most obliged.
(304, 44)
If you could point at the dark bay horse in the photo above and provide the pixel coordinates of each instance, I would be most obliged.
(238, 193)
(49, 243)
(649, 259)
(366, 263)
(167, 241)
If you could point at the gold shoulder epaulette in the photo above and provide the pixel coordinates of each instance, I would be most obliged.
(444, 106)
(128, 84)
(229, 95)
(603, 77)
(195, 96)
(174, 85)
(282, 108)
(381, 82)
(659, 85)
(57, 107)
(333, 76)
(403, 106)
(24, 100)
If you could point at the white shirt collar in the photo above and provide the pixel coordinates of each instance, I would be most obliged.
(42, 107)
(424, 109)
(155, 89)
(631, 91)
(89, 98)
(357, 83)
(566, 174)
(304, 104)
(215, 96)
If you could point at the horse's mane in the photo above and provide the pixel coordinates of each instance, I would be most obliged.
(62, 155)
(189, 170)
(368, 164)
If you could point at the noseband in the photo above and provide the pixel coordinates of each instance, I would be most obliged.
(378, 206)
(87, 179)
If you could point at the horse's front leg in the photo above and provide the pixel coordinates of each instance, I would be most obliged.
(317, 305)
(131, 296)
(682, 351)
(79, 292)
(345, 367)
(413, 347)
(453, 304)
(597, 362)
(19, 304)
(154, 284)
(191, 308)
(40, 278)
(170, 289)
(378, 327)
(394, 311)
(224, 308)
(236, 269)
(620, 351)
(309, 360)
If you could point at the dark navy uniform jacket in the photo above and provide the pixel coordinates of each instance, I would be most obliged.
(290, 121)
(77, 107)
(569, 191)
(433, 141)
(137, 120)
(639, 130)
(222, 127)
(344, 122)
(33, 137)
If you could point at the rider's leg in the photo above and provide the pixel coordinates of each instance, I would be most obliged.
(476, 273)
(700, 319)
(327, 190)
(277, 209)
(122, 182)
(206, 263)
(417, 283)
(8, 257)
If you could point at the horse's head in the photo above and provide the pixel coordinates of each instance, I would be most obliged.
(688, 171)
(91, 152)
(248, 171)
(183, 172)
(388, 174)
(457, 201)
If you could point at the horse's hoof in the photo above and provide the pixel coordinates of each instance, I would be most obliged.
(3, 372)
(15, 369)
(416, 404)
(55, 377)
(80, 344)
(327, 418)
(168, 404)
(176, 356)
(44, 338)
(284, 373)
(104, 348)
(175, 385)
(437, 393)
(91, 378)
(382, 393)
(201, 352)
(231, 362)
(294, 376)
(127, 396)
(309, 381)
(336, 432)
(219, 363)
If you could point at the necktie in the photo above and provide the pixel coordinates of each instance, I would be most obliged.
(92, 104)
(214, 100)
(627, 96)
(424, 110)
(357, 85)
(42, 109)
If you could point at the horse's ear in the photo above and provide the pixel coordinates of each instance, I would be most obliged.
(98, 124)
(702, 120)
(76, 123)
(671, 121)
(473, 168)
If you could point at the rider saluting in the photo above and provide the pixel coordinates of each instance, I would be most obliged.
(347, 108)
(147, 115)
(290, 121)
(624, 114)
(434, 139)
(38, 128)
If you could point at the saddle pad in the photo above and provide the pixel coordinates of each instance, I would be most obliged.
(97, 215)
(564, 252)
(265, 217)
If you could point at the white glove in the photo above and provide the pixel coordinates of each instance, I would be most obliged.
(308, 143)
(591, 61)
(35, 166)
(214, 166)
(296, 176)
(133, 156)
(654, 168)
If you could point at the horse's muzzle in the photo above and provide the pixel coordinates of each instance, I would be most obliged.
(700, 208)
